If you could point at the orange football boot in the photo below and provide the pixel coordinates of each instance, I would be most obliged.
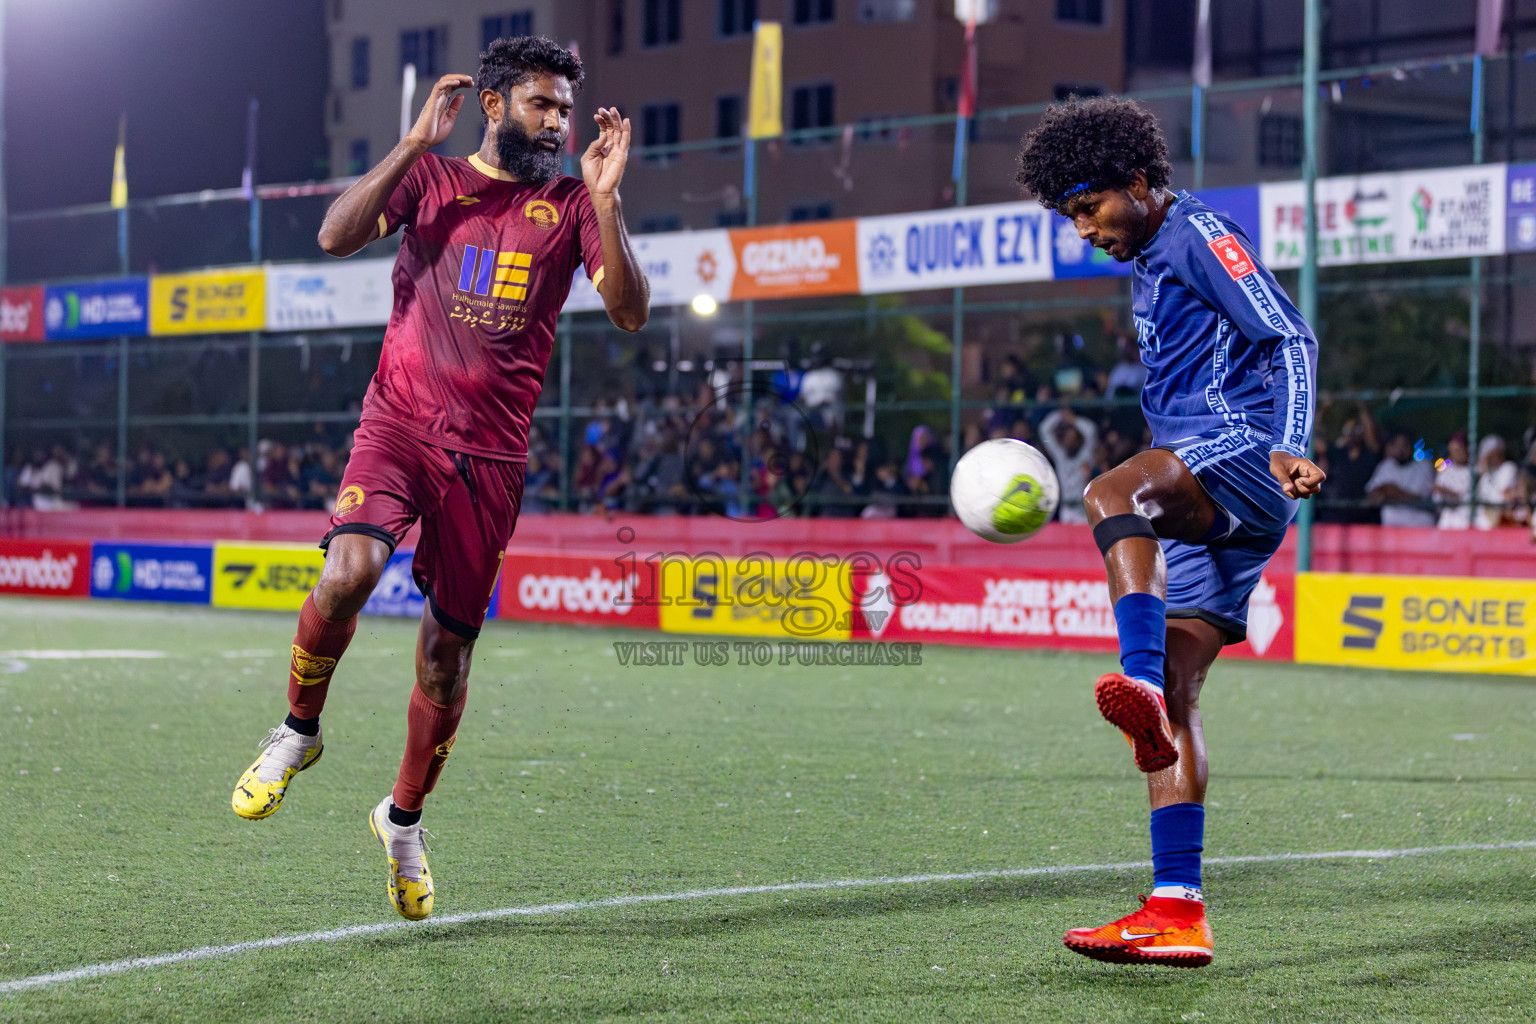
(1138, 710)
(1170, 932)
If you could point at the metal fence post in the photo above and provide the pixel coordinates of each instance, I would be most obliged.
(1310, 83)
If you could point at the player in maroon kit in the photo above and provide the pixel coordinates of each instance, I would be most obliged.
(491, 245)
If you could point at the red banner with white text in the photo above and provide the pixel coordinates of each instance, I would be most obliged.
(1062, 610)
(590, 590)
(45, 568)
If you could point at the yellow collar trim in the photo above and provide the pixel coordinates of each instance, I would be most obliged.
(489, 171)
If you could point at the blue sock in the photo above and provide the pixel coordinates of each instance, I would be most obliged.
(1140, 620)
(1178, 837)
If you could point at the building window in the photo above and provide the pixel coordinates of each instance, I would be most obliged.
(505, 26)
(659, 126)
(1065, 90)
(1279, 141)
(884, 12)
(357, 157)
(811, 106)
(426, 48)
(615, 27)
(815, 12)
(663, 22)
(360, 62)
(737, 16)
(810, 211)
(660, 222)
(728, 118)
(1084, 12)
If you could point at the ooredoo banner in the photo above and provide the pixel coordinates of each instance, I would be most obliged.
(45, 568)
(21, 314)
(590, 590)
(973, 605)
(1427, 623)
(152, 572)
(796, 260)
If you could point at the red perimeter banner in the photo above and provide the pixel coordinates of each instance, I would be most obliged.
(591, 590)
(1062, 610)
(48, 568)
(21, 314)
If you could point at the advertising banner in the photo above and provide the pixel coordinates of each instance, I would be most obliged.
(798, 599)
(208, 301)
(44, 568)
(96, 309)
(1056, 609)
(397, 593)
(968, 245)
(679, 265)
(1387, 218)
(1427, 623)
(1073, 257)
(1520, 223)
(21, 314)
(255, 575)
(152, 572)
(795, 260)
(304, 296)
(593, 591)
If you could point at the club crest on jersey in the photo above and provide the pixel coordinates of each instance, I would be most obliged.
(501, 275)
(543, 214)
(349, 500)
(1232, 257)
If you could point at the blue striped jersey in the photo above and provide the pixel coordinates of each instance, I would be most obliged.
(1224, 347)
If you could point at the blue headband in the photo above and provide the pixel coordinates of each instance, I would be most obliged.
(1082, 186)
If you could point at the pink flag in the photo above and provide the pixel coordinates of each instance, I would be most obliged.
(1490, 15)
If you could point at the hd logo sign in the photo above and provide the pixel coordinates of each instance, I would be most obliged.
(1429, 623)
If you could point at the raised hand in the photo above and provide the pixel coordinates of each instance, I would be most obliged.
(1299, 477)
(602, 165)
(442, 110)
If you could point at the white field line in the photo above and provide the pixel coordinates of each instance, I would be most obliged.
(73, 655)
(538, 910)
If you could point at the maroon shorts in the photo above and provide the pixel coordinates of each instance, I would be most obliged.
(467, 505)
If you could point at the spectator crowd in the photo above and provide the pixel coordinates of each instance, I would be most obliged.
(669, 456)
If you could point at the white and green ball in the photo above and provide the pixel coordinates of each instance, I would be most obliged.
(1004, 490)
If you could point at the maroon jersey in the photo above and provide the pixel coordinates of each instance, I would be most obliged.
(483, 270)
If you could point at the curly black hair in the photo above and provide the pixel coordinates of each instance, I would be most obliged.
(1088, 145)
(509, 62)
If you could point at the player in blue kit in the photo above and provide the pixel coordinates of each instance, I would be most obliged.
(1187, 527)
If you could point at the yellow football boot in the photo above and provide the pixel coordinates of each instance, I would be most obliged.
(285, 753)
(410, 880)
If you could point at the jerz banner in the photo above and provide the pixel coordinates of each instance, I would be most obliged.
(248, 574)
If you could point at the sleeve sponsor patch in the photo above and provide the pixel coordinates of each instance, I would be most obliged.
(1232, 256)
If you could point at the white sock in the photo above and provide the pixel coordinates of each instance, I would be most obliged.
(1179, 892)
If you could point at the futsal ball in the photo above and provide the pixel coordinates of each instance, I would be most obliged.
(1004, 490)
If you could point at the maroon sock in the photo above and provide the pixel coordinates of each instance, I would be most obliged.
(429, 734)
(317, 646)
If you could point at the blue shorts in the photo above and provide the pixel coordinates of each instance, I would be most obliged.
(1212, 580)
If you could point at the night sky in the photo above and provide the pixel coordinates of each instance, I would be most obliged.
(183, 71)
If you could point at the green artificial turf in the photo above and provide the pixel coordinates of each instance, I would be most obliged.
(576, 779)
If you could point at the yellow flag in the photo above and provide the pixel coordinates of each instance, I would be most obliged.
(766, 113)
(120, 168)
